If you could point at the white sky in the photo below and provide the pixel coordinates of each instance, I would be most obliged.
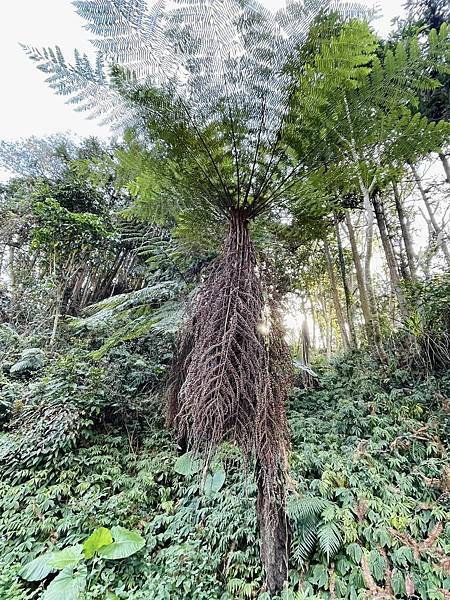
(27, 106)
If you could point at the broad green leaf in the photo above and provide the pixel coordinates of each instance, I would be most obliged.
(125, 544)
(187, 465)
(99, 538)
(69, 557)
(214, 481)
(355, 552)
(37, 569)
(398, 583)
(67, 585)
(376, 565)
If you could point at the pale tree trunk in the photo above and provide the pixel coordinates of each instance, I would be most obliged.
(446, 166)
(2, 257)
(437, 229)
(12, 268)
(403, 263)
(305, 338)
(327, 320)
(347, 294)
(390, 258)
(335, 295)
(56, 317)
(406, 234)
(370, 320)
(314, 319)
(398, 251)
(368, 211)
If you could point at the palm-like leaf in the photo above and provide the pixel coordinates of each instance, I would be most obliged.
(210, 76)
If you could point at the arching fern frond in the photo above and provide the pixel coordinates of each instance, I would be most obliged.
(125, 317)
(85, 83)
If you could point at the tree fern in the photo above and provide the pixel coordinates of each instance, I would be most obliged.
(217, 62)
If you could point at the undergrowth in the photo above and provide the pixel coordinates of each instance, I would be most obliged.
(84, 446)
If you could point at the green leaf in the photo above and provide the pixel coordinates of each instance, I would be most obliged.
(355, 552)
(37, 569)
(376, 565)
(398, 583)
(69, 557)
(99, 538)
(214, 481)
(67, 585)
(330, 539)
(187, 465)
(125, 544)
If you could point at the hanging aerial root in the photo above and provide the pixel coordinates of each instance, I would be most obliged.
(231, 377)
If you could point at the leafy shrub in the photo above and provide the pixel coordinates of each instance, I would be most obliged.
(73, 561)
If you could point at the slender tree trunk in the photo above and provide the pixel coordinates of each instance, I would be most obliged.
(369, 215)
(398, 251)
(2, 256)
(390, 258)
(56, 317)
(335, 295)
(406, 234)
(12, 267)
(434, 223)
(365, 191)
(314, 320)
(446, 166)
(325, 324)
(305, 338)
(372, 326)
(347, 294)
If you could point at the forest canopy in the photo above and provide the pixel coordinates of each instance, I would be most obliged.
(224, 332)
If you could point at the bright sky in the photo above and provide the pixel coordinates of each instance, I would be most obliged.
(27, 106)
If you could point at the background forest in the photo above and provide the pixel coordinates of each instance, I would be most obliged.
(224, 333)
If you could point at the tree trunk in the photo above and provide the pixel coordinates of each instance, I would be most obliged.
(335, 295)
(347, 294)
(372, 326)
(57, 316)
(446, 166)
(274, 535)
(390, 258)
(406, 234)
(313, 317)
(434, 223)
(368, 210)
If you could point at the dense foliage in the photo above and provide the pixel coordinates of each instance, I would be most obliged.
(367, 496)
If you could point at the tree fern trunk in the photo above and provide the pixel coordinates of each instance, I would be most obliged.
(230, 382)
(274, 536)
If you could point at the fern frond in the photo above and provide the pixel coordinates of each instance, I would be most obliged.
(86, 85)
(330, 539)
(307, 508)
